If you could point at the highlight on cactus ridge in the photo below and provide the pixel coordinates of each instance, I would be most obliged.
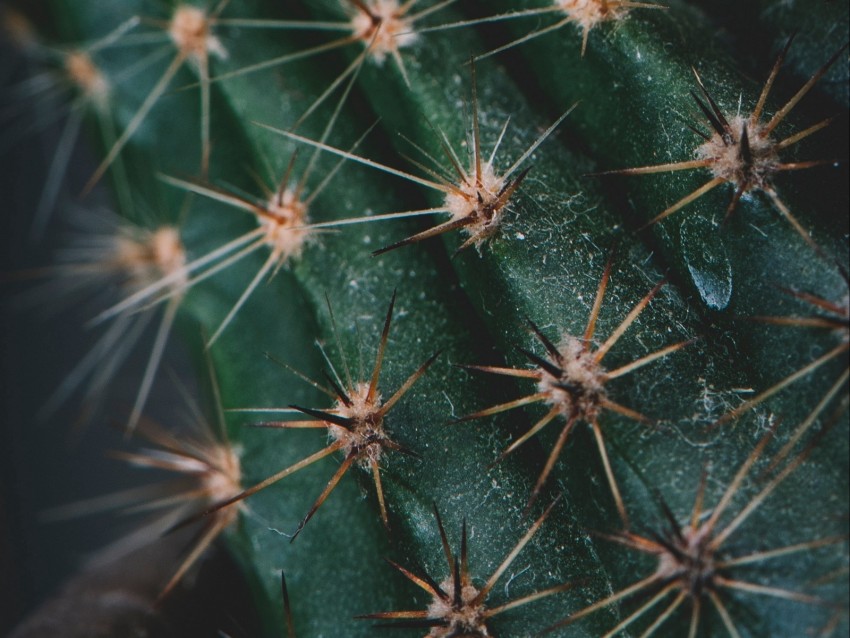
(458, 607)
(740, 150)
(282, 225)
(111, 255)
(476, 199)
(572, 382)
(696, 562)
(355, 426)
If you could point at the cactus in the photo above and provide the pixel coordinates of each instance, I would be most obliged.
(613, 357)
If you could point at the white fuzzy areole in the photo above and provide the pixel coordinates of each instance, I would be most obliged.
(478, 199)
(83, 72)
(727, 161)
(284, 221)
(580, 370)
(589, 13)
(365, 438)
(695, 568)
(468, 617)
(213, 467)
(190, 31)
(394, 28)
(145, 259)
(222, 479)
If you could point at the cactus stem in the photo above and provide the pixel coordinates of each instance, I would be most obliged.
(841, 348)
(356, 425)
(282, 223)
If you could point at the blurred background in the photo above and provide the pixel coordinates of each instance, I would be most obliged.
(47, 461)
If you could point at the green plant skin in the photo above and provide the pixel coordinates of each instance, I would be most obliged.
(638, 66)
(506, 280)
(433, 328)
(359, 288)
(424, 324)
(736, 268)
(326, 554)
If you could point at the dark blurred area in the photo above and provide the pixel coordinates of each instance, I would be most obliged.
(119, 599)
(46, 463)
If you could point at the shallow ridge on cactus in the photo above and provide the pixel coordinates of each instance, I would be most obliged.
(750, 418)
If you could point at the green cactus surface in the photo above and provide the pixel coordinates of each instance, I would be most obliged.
(472, 318)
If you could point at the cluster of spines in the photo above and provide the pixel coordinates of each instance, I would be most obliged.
(475, 186)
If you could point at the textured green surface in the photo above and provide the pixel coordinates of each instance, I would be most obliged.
(633, 91)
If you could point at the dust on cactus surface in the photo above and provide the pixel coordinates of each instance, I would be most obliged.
(422, 317)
